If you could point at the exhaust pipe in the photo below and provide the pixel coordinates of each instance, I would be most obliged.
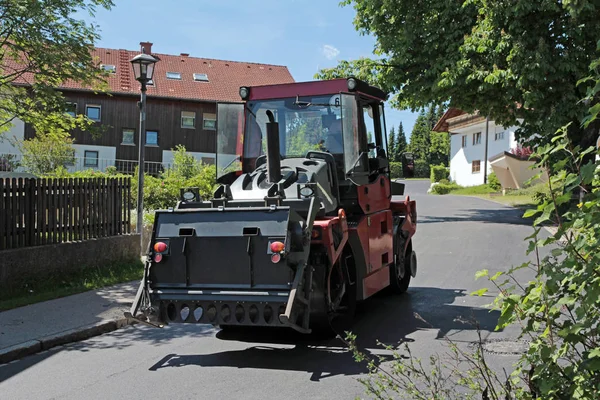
(273, 155)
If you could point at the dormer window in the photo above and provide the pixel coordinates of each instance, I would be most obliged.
(110, 68)
(174, 75)
(201, 77)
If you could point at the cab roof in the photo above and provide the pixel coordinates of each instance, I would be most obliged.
(314, 88)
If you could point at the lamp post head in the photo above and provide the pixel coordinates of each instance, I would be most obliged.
(143, 67)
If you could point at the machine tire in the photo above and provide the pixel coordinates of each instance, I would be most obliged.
(326, 325)
(399, 284)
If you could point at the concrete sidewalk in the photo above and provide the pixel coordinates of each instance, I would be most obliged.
(37, 327)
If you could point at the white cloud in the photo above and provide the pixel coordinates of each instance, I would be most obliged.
(329, 51)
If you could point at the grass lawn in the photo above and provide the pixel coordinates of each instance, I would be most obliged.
(57, 286)
(473, 190)
(512, 200)
(522, 198)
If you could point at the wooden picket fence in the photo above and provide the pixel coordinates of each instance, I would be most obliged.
(36, 212)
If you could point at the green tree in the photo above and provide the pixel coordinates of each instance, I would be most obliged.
(392, 144)
(420, 141)
(401, 144)
(514, 59)
(46, 153)
(432, 116)
(439, 148)
(43, 46)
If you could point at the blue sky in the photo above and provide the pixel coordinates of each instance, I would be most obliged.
(304, 35)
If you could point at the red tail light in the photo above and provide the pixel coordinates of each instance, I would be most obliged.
(158, 258)
(275, 258)
(316, 233)
(160, 247)
(277, 247)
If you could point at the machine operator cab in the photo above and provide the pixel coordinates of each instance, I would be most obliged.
(340, 117)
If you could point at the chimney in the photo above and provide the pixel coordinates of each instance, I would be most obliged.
(185, 54)
(146, 47)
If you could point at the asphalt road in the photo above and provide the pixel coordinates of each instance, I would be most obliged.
(456, 236)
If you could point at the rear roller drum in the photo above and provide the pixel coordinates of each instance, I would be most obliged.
(401, 270)
(334, 297)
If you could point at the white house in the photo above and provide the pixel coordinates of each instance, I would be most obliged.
(468, 156)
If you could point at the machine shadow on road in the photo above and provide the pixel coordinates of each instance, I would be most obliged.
(385, 318)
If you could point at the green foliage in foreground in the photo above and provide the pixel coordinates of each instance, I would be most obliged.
(557, 311)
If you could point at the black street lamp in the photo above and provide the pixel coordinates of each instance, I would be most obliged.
(143, 69)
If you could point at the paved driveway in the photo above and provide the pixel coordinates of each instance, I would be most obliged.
(456, 236)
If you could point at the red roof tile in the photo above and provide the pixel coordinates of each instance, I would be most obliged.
(224, 77)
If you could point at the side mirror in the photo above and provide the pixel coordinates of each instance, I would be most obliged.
(397, 188)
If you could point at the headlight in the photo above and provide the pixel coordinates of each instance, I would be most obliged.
(244, 93)
(189, 194)
(351, 84)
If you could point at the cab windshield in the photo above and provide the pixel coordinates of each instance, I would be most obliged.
(313, 123)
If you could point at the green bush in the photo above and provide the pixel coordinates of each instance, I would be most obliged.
(494, 182)
(444, 189)
(438, 172)
(163, 191)
(62, 172)
(444, 182)
(396, 170)
(422, 169)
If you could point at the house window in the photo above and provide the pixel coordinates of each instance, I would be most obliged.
(90, 158)
(173, 75)
(151, 138)
(93, 112)
(499, 135)
(71, 109)
(476, 166)
(128, 137)
(110, 68)
(464, 141)
(201, 77)
(477, 138)
(209, 122)
(188, 119)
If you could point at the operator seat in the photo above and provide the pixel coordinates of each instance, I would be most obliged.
(334, 142)
(252, 146)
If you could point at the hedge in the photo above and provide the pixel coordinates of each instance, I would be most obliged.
(441, 188)
(422, 169)
(438, 172)
(396, 170)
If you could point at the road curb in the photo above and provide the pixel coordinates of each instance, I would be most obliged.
(21, 350)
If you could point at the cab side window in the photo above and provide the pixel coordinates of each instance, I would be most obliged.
(369, 128)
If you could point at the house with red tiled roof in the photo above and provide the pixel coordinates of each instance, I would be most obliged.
(181, 107)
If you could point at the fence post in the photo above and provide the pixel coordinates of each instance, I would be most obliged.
(2, 217)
